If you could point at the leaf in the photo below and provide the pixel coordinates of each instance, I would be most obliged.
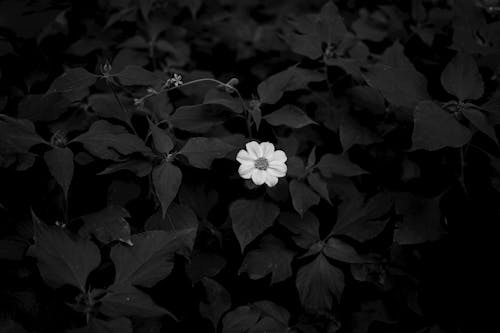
(421, 219)
(201, 151)
(177, 218)
(480, 121)
(303, 197)
(319, 185)
(339, 250)
(72, 80)
(62, 259)
(317, 283)
(352, 133)
(166, 179)
(109, 141)
(251, 218)
(461, 78)
(107, 225)
(127, 300)
(294, 78)
(161, 140)
(305, 229)
(215, 96)
(362, 220)
(150, 259)
(289, 115)
(216, 302)
(272, 257)
(106, 106)
(400, 86)
(17, 135)
(435, 128)
(137, 76)
(262, 316)
(200, 118)
(330, 165)
(138, 167)
(60, 164)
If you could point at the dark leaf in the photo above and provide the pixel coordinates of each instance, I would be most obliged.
(303, 197)
(289, 115)
(215, 96)
(434, 128)
(138, 167)
(319, 185)
(137, 76)
(362, 220)
(272, 257)
(106, 106)
(262, 316)
(339, 250)
(480, 121)
(106, 326)
(318, 283)
(72, 80)
(200, 118)
(251, 218)
(60, 164)
(271, 90)
(107, 225)
(200, 151)
(61, 258)
(352, 133)
(109, 141)
(17, 135)
(217, 301)
(305, 229)
(126, 300)
(150, 259)
(461, 78)
(161, 140)
(177, 219)
(330, 165)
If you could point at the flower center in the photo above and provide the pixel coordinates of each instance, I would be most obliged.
(261, 163)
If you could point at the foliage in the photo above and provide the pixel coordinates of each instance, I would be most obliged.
(121, 207)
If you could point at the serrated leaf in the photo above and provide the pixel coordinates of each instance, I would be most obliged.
(107, 225)
(318, 284)
(303, 197)
(339, 250)
(167, 179)
(110, 141)
(150, 259)
(72, 80)
(330, 165)
(216, 302)
(251, 218)
(272, 257)
(201, 151)
(17, 135)
(461, 78)
(289, 115)
(305, 229)
(434, 128)
(200, 118)
(60, 164)
(137, 76)
(61, 258)
(127, 300)
(294, 78)
(177, 218)
(362, 220)
(161, 140)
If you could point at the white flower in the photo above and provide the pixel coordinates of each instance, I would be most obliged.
(176, 80)
(261, 163)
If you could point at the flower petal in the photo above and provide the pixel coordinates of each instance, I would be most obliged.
(271, 180)
(244, 157)
(259, 176)
(254, 150)
(245, 170)
(278, 156)
(277, 169)
(267, 149)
